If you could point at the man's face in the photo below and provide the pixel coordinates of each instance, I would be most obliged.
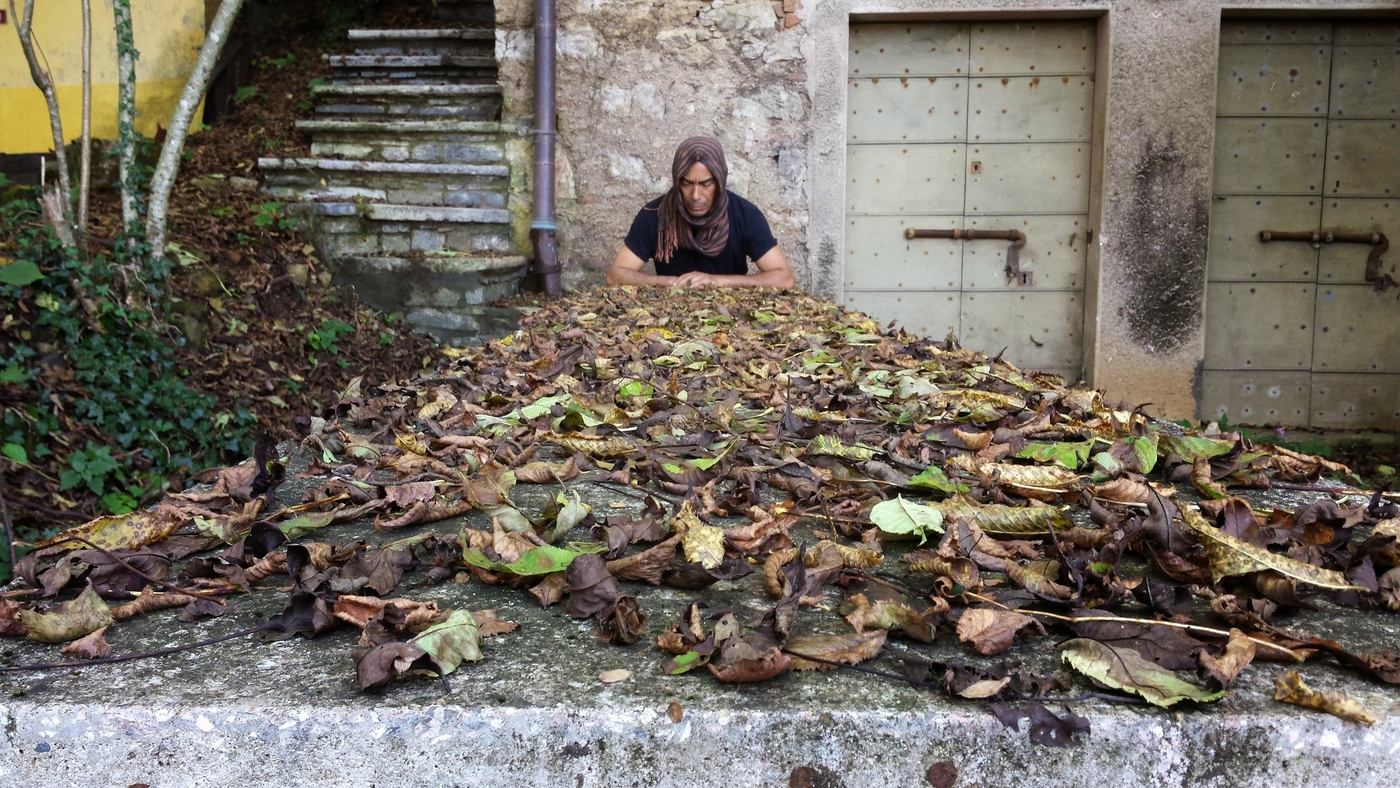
(698, 189)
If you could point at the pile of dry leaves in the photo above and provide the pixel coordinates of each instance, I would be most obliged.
(774, 433)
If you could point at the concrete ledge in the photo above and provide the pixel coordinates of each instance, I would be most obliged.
(533, 713)
(391, 167)
(464, 33)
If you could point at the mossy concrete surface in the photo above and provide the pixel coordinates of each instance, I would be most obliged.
(250, 713)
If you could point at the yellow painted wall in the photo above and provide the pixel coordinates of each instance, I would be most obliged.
(168, 36)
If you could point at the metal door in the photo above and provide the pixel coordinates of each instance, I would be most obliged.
(972, 127)
(1299, 332)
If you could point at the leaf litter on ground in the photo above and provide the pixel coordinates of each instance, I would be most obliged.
(1038, 506)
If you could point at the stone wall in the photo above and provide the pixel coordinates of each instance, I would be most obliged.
(638, 76)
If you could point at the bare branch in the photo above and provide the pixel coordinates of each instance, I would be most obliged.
(45, 85)
(163, 180)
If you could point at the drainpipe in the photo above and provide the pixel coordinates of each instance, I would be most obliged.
(545, 265)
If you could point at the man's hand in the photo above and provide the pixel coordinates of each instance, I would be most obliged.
(700, 279)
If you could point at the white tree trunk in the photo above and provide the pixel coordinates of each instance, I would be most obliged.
(163, 180)
(85, 174)
(45, 85)
(126, 112)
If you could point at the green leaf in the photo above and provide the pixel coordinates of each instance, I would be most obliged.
(933, 478)
(452, 642)
(570, 515)
(1192, 448)
(297, 527)
(1145, 448)
(14, 373)
(15, 452)
(683, 663)
(20, 273)
(635, 388)
(832, 446)
(1066, 455)
(1106, 466)
(542, 560)
(1121, 667)
(906, 518)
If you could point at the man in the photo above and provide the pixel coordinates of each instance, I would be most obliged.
(699, 233)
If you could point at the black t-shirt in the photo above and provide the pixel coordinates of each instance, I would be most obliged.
(749, 237)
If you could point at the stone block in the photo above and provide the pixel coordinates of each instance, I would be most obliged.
(427, 240)
(444, 298)
(339, 225)
(436, 318)
(346, 149)
(395, 243)
(426, 152)
(394, 153)
(346, 245)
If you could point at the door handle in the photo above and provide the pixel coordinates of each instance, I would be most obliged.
(1377, 241)
(1013, 253)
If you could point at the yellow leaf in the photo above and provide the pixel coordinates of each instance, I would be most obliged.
(69, 620)
(1290, 688)
(1230, 556)
(849, 649)
(123, 531)
(703, 544)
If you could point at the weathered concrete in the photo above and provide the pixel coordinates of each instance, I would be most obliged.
(769, 80)
(533, 712)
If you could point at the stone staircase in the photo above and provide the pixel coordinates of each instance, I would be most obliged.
(406, 188)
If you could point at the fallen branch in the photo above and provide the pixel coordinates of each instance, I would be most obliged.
(156, 581)
(1141, 621)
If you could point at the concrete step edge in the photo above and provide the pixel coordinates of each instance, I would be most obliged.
(392, 167)
(450, 262)
(406, 126)
(464, 33)
(406, 90)
(392, 212)
(410, 61)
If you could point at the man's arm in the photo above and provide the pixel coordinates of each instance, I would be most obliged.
(773, 271)
(627, 270)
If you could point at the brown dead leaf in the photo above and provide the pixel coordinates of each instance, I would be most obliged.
(358, 610)
(1290, 688)
(491, 625)
(149, 601)
(10, 625)
(991, 631)
(550, 590)
(849, 649)
(1232, 659)
(547, 472)
(91, 646)
(648, 565)
(614, 676)
(405, 495)
(1038, 577)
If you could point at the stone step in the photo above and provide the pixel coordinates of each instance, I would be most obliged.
(348, 229)
(409, 183)
(443, 41)
(483, 105)
(467, 11)
(367, 102)
(402, 62)
(445, 281)
(446, 141)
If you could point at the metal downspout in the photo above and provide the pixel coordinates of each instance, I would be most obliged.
(545, 266)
